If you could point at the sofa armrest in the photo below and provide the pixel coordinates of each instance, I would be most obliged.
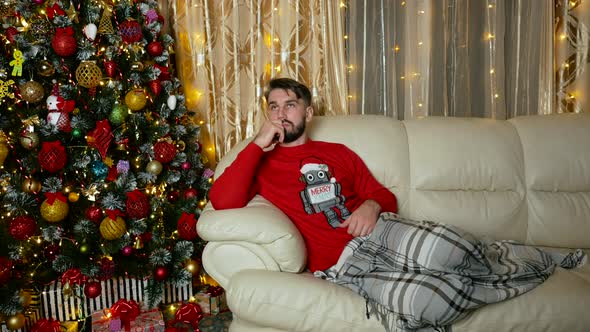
(257, 236)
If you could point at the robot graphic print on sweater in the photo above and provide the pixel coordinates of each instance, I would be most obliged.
(316, 184)
(322, 193)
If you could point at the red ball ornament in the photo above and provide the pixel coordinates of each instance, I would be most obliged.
(164, 152)
(146, 237)
(127, 251)
(11, 32)
(186, 165)
(22, 227)
(190, 193)
(161, 273)
(130, 31)
(107, 269)
(92, 289)
(94, 214)
(155, 87)
(187, 226)
(137, 205)
(5, 269)
(64, 44)
(164, 73)
(173, 196)
(110, 68)
(155, 48)
(51, 251)
(52, 156)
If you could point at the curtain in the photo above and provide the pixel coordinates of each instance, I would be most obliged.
(227, 50)
(450, 57)
(401, 58)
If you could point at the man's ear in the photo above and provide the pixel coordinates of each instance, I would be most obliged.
(308, 113)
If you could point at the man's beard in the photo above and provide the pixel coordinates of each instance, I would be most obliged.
(295, 134)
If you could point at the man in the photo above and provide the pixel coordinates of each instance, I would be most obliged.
(324, 188)
(413, 274)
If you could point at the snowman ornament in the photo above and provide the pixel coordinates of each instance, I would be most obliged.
(58, 111)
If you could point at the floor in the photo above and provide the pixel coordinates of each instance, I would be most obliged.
(216, 323)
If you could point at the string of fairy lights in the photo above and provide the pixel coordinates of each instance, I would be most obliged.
(418, 43)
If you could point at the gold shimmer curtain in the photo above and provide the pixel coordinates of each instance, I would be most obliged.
(227, 50)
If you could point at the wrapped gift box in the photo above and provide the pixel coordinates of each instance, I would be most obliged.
(73, 326)
(67, 308)
(150, 320)
(211, 300)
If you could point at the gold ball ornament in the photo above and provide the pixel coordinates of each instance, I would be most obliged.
(45, 68)
(26, 298)
(73, 197)
(154, 167)
(5, 9)
(180, 146)
(29, 140)
(88, 74)
(3, 150)
(31, 186)
(15, 322)
(192, 266)
(112, 229)
(137, 66)
(136, 99)
(55, 212)
(32, 92)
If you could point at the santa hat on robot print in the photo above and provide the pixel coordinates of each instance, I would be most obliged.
(315, 164)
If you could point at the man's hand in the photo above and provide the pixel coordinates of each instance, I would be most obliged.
(363, 220)
(271, 132)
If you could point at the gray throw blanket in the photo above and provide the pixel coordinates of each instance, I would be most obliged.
(423, 276)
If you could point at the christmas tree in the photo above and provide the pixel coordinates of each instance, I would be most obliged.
(102, 173)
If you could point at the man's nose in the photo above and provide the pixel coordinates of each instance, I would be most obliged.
(282, 113)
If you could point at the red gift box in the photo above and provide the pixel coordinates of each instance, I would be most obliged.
(150, 320)
(211, 300)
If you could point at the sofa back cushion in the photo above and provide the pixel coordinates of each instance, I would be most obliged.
(557, 174)
(468, 172)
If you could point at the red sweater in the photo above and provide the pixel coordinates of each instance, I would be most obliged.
(315, 184)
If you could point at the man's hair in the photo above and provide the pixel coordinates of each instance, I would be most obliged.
(300, 90)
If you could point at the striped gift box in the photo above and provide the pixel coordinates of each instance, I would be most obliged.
(58, 306)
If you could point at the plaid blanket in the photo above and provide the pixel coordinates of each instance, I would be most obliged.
(423, 276)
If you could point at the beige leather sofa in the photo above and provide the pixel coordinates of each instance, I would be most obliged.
(526, 179)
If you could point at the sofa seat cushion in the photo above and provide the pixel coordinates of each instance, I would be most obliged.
(297, 302)
(302, 302)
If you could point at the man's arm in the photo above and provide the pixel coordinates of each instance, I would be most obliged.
(377, 198)
(236, 186)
